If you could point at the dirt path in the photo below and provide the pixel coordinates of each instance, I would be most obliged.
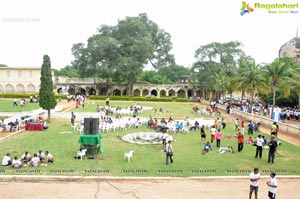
(223, 188)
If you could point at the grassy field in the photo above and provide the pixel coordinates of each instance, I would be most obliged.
(169, 109)
(7, 106)
(149, 160)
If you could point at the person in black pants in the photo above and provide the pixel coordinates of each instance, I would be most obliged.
(169, 152)
(272, 150)
(259, 146)
(240, 138)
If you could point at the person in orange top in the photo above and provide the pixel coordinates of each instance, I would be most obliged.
(240, 138)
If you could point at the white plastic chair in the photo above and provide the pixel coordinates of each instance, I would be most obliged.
(15, 128)
(81, 153)
(128, 155)
(74, 126)
(80, 129)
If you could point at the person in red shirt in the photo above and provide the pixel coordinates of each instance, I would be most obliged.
(240, 138)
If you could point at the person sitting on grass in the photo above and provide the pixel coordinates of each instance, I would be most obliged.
(41, 155)
(16, 164)
(226, 149)
(25, 157)
(48, 157)
(206, 148)
(249, 141)
(6, 161)
(35, 161)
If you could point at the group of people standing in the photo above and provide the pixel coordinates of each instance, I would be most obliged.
(271, 183)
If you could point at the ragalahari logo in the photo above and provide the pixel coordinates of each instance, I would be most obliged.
(245, 8)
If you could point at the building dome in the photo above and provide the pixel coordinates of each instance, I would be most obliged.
(291, 49)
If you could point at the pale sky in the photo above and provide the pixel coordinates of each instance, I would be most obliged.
(31, 28)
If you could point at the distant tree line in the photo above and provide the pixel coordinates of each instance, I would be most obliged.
(122, 52)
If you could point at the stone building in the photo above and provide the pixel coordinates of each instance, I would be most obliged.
(19, 80)
(291, 49)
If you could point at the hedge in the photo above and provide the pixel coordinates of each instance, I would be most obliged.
(27, 96)
(138, 98)
(16, 95)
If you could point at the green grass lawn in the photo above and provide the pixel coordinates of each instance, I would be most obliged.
(148, 160)
(175, 110)
(7, 106)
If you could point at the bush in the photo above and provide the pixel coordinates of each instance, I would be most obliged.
(159, 99)
(60, 96)
(16, 95)
(103, 97)
(138, 98)
(180, 100)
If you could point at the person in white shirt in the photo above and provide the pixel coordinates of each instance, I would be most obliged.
(35, 161)
(6, 161)
(41, 155)
(16, 163)
(272, 186)
(26, 157)
(259, 146)
(169, 152)
(212, 134)
(254, 177)
(48, 157)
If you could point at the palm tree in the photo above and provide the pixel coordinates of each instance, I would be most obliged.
(243, 64)
(251, 79)
(278, 71)
(293, 84)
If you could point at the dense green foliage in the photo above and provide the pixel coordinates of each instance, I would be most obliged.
(47, 98)
(67, 71)
(121, 52)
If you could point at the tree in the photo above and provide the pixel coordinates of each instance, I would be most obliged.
(174, 72)
(161, 42)
(225, 54)
(252, 79)
(154, 77)
(46, 95)
(121, 52)
(216, 58)
(67, 71)
(279, 70)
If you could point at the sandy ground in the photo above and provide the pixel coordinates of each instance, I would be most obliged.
(182, 188)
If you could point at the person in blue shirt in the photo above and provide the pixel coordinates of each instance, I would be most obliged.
(265, 140)
(250, 128)
(207, 148)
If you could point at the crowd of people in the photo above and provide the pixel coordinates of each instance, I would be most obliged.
(38, 159)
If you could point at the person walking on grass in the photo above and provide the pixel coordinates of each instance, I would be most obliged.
(73, 118)
(218, 138)
(259, 146)
(169, 152)
(212, 134)
(240, 138)
(254, 177)
(203, 134)
(272, 150)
